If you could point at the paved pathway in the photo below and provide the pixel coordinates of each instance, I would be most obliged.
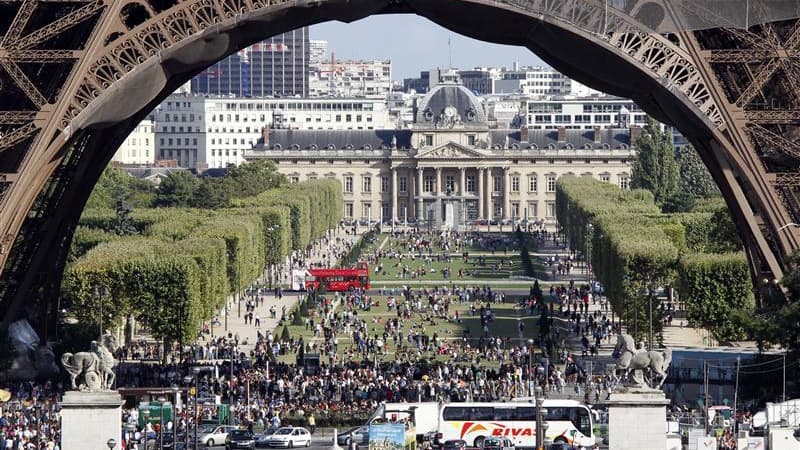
(248, 332)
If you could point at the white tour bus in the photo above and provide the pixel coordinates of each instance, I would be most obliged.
(568, 421)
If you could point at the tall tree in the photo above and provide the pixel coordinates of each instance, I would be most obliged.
(177, 189)
(695, 178)
(211, 193)
(655, 167)
(253, 178)
(115, 186)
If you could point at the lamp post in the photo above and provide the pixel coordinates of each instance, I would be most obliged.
(161, 401)
(531, 374)
(187, 380)
(540, 415)
(146, 415)
(111, 443)
(196, 372)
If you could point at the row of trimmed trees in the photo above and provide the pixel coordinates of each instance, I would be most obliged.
(184, 263)
(634, 248)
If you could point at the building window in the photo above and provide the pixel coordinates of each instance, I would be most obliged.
(533, 210)
(515, 210)
(450, 183)
(384, 184)
(295, 179)
(348, 185)
(471, 140)
(533, 183)
(366, 184)
(366, 210)
(605, 178)
(348, 210)
(624, 182)
(402, 182)
(551, 184)
(515, 184)
(428, 187)
(497, 183)
(551, 210)
(471, 183)
(428, 139)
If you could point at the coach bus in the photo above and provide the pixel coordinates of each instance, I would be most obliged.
(339, 280)
(568, 421)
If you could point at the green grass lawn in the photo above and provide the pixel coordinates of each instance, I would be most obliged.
(505, 325)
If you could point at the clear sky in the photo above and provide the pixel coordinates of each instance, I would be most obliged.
(414, 43)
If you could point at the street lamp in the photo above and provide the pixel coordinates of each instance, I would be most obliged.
(111, 443)
(531, 375)
(195, 372)
(541, 413)
(161, 401)
(187, 380)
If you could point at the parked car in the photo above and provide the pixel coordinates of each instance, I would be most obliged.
(214, 434)
(359, 435)
(290, 437)
(454, 444)
(497, 443)
(240, 439)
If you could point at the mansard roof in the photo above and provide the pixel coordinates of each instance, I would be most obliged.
(336, 139)
(611, 138)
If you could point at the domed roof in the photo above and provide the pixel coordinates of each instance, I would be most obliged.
(450, 103)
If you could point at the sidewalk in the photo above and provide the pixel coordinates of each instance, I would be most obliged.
(248, 333)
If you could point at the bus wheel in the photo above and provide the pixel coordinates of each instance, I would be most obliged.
(478, 442)
(560, 440)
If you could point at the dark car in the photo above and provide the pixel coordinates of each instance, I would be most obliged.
(454, 444)
(240, 439)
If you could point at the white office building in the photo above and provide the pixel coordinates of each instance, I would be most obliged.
(212, 132)
(318, 51)
(371, 79)
(583, 113)
(138, 148)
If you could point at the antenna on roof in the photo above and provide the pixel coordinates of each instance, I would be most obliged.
(450, 51)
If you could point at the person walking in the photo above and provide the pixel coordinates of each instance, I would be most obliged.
(312, 423)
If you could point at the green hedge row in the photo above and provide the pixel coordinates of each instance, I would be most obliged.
(634, 248)
(186, 261)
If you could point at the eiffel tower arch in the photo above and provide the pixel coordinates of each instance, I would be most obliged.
(77, 76)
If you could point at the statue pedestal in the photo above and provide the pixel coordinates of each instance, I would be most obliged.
(637, 419)
(90, 419)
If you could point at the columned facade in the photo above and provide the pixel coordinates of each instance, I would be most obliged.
(450, 169)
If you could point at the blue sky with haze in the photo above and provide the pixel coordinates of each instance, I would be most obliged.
(414, 43)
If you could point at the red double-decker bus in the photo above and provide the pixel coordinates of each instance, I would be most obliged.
(339, 280)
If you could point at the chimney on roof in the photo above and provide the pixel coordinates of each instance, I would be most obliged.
(265, 132)
(635, 133)
(523, 134)
(562, 134)
(597, 138)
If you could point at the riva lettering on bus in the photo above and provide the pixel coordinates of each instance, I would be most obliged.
(497, 430)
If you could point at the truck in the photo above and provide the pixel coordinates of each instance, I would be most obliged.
(424, 416)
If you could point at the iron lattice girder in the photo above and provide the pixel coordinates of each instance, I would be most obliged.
(42, 56)
(17, 135)
(776, 141)
(20, 20)
(16, 117)
(23, 82)
(777, 117)
(57, 26)
(747, 56)
(787, 180)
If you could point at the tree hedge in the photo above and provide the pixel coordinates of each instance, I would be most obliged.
(715, 287)
(636, 248)
(185, 263)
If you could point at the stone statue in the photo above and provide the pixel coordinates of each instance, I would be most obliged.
(630, 359)
(96, 366)
(32, 360)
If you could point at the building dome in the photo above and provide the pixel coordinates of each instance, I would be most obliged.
(450, 104)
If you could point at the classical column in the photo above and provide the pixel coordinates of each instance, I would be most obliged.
(420, 203)
(489, 188)
(463, 186)
(438, 189)
(394, 195)
(481, 193)
(506, 193)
